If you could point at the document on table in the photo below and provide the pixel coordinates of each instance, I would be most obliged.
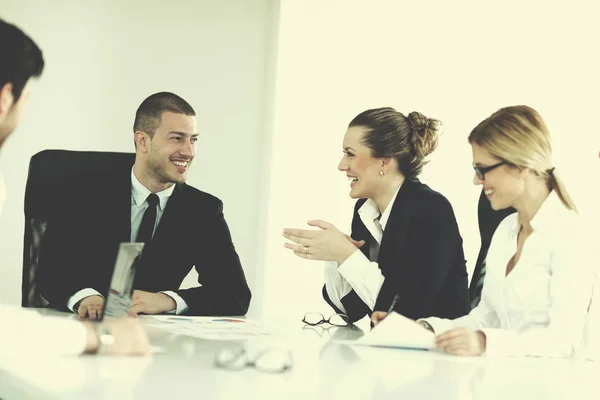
(396, 330)
(212, 328)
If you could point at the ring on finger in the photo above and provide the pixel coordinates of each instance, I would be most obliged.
(305, 249)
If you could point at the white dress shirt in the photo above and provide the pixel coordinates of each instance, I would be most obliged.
(541, 307)
(359, 272)
(139, 204)
(26, 330)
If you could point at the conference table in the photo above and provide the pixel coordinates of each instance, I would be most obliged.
(183, 366)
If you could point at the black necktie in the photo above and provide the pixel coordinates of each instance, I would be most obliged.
(147, 226)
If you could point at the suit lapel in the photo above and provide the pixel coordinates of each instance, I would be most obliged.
(360, 231)
(402, 209)
(171, 217)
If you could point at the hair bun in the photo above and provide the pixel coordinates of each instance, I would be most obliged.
(424, 133)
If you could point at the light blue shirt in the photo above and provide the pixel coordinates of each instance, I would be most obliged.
(139, 205)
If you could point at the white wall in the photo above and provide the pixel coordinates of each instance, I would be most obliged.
(456, 61)
(103, 58)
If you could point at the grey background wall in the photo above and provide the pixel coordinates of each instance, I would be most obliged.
(103, 58)
(275, 83)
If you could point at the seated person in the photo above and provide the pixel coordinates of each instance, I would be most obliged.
(405, 240)
(539, 278)
(181, 227)
(24, 331)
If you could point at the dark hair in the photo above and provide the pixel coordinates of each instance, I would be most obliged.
(147, 116)
(408, 139)
(21, 58)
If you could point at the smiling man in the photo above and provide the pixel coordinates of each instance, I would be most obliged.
(182, 227)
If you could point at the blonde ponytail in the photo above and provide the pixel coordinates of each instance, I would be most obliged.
(556, 184)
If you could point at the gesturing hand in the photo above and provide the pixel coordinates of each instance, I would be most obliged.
(91, 307)
(150, 303)
(327, 244)
(462, 342)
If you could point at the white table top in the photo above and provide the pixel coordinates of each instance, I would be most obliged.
(322, 370)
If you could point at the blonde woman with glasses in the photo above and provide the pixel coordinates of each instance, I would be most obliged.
(539, 282)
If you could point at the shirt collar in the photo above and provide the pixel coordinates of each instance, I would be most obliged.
(370, 211)
(550, 213)
(548, 216)
(139, 193)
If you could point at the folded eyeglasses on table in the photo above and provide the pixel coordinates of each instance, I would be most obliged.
(314, 319)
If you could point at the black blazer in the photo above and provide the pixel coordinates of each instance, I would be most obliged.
(420, 256)
(82, 240)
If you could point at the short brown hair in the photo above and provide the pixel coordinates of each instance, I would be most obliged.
(147, 116)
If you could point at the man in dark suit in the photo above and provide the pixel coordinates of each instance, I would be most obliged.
(181, 227)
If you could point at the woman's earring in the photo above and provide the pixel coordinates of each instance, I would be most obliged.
(381, 173)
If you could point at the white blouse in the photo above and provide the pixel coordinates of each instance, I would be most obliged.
(541, 307)
(358, 272)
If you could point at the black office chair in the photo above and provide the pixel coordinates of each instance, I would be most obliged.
(51, 172)
(489, 219)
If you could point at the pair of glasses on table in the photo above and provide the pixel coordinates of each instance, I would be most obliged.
(270, 359)
(314, 319)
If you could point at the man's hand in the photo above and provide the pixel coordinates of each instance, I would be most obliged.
(91, 307)
(130, 338)
(151, 303)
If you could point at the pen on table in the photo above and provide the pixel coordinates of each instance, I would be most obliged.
(394, 300)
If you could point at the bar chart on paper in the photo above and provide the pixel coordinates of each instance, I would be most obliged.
(211, 328)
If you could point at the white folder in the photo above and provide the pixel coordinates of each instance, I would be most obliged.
(396, 330)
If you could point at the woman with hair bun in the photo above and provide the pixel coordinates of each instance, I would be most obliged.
(405, 249)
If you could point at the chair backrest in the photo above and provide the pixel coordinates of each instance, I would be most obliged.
(488, 219)
(51, 172)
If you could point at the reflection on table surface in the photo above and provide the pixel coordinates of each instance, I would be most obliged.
(183, 365)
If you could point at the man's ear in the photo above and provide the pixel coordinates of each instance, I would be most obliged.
(142, 141)
(6, 98)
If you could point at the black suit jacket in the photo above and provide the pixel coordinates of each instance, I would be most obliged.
(82, 239)
(420, 256)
